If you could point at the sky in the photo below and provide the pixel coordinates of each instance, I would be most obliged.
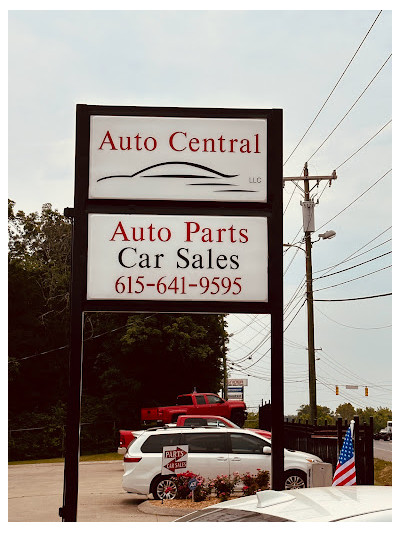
(255, 58)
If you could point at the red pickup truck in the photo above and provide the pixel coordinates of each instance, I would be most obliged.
(197, 403)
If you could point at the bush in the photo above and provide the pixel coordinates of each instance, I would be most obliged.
(200, 493)
(224, 485)
(253, 483)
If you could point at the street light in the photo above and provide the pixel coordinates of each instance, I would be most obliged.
(310, 317)
(327, 235)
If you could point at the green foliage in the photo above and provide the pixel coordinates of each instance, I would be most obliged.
(224, 485)
(347, 412)
(128, 363)
(323, 413)
(252, 420)
(381, 416)
(201, 491)
(253, 483)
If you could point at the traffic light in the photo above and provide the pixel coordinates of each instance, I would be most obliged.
(337, 390)
(366, 391)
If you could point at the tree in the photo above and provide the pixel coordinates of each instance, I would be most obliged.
(39, 267)
(345, 411)
(381, 416)
(323, 413)
(128, 361)
(162, 356)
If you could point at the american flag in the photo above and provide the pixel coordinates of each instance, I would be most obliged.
(345, 473)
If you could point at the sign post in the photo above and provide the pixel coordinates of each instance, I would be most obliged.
(176, 210)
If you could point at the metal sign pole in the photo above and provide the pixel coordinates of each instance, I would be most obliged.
(276, 294)
(68, 512)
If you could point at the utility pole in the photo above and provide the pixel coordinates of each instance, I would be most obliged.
(312, 381)
(308, 226)
(225, 373)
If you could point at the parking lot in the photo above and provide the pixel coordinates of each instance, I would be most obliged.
(35, 494)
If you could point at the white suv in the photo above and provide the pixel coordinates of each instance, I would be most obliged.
(212, 452)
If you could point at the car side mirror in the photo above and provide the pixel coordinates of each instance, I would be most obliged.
(267, 450)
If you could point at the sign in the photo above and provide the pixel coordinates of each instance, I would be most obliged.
(177, 158)
(174, 459)
(192, 483)
(235, 393)
(154, 257)
(240, 382)
(205, 187)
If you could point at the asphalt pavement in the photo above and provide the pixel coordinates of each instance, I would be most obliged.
(383, 450)
(35, 493)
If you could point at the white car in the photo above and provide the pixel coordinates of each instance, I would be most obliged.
(212, 452)
(363, 503)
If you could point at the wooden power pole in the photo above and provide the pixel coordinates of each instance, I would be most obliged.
(308, 226)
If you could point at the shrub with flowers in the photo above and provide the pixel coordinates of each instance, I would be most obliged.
(253, 483)
(224, 485)
(200, 493)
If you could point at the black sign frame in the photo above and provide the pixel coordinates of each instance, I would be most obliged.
(83, 206)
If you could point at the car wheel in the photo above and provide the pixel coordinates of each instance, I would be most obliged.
(295, 479)
(164, 488)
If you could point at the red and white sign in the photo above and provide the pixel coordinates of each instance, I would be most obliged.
(174, 459)
(177, 257)
(178, 158)
(238, 382)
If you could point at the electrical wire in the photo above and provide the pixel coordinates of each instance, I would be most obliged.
(354, 266)
(355, 200)
(348, 111)
(336, 84)
(359, 298)
(84, 340)
(353, 279)
(352, 256)
(352, 155)
(365, 144)
(351, 327)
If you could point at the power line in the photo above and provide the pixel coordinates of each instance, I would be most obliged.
(353, 279)
(352, 155)
(67, 345)
(359, 298)
(354, 201)
(354, 266)
(365, 144)
(352, 256)
(268, 337)
(345, 115)
(336, 84)
(351, 327)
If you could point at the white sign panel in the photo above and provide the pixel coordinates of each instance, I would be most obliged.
(235, 392)
(238, 382)
(177, 257)
(170, 158)
(174, 459)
